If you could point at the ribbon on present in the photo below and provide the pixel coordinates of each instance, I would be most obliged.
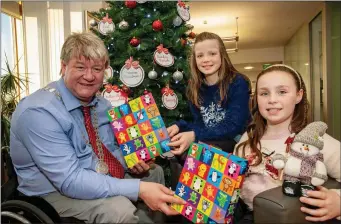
(130, 63)
(107, 19)
(161, 49)
(109, 88)
(181, 4)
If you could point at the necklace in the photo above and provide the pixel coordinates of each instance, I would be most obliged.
(101, 166)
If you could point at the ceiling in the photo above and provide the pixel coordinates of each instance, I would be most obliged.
(260, 24)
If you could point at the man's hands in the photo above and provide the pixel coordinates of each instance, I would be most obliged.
(327, 201)
(157, 197)
(181, 142)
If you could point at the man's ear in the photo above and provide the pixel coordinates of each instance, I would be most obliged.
(299, 96)
(62, 67)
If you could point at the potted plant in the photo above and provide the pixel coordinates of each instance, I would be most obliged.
(11, 82)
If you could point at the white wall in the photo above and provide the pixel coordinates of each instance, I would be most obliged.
(257, 55)
(296, 54)
(46, 26)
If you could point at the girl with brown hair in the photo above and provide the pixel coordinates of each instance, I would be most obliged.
(218, 97)
(280, 112)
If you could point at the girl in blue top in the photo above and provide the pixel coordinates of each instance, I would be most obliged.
(218, 97)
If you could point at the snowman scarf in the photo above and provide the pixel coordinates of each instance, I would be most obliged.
(308, 164)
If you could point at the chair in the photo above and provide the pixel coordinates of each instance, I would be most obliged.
(18, 208)
(272, 206)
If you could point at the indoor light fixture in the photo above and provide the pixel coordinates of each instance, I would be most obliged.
(234, 38)
(248, 67)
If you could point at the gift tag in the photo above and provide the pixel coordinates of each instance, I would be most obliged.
(183, 11)
(170, 101)
(106, 25)
(115, 95)
(108, 73)
(132, 74)
(163, 57)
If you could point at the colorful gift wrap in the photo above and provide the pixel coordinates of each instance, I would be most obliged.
(210, 183)
(139, 129)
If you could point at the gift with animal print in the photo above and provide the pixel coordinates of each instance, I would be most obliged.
(139, 129)
(210, 182)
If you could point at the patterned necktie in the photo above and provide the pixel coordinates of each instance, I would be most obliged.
(115, 167)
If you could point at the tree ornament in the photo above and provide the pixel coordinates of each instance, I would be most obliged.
(106, 25)
(163, 57)
(134, 42)
(126, 89)
(178, 76)
(177, 21)
(183, 42)
(114, 95)
(164, 89)
(123, 25)
(152, 74)
(92, 23)
(108, 73)
(157, 25)
(130, 4)
(169, 98)
(132, 74)
(183, 10)
(145, 92)
(192, 35)
(165, 73)
(141, 1)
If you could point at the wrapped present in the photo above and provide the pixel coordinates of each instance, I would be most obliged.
(210, 183)
(139, 129)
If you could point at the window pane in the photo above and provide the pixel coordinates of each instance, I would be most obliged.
(6, 41)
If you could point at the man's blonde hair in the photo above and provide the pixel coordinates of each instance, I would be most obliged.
(84, 44)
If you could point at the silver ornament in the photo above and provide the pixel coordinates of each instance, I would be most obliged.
(178, 76)
(93, 22)
(123, 25)
(165, 73)
(189, 26)
(177, 21)
(152, 74)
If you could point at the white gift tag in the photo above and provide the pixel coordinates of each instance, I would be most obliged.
(170, 101)
(105, 27)
(183, 12)
(132, 77)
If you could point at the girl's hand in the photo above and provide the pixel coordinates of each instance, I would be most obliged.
(181, 142)
(173, 130)
(327, 201)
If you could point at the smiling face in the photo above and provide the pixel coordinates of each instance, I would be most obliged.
(83, 77)
(208, 58)
(277, 96)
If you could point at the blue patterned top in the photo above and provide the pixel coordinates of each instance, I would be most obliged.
(217, 122)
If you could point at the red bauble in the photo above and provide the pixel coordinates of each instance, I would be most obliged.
(157, 25)
(130, 4)
(134, 42)
(192, 35)
(183, 42)
(145, 92)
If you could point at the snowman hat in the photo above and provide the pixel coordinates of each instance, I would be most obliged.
(312, 134)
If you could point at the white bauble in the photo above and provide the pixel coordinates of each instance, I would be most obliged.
(92, 23)
(177, 21)
(178, 76)
(123, 25)
(152, 74)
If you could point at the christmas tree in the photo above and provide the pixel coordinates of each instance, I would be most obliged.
(149, 45)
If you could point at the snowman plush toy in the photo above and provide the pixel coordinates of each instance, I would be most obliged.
(304, 168)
